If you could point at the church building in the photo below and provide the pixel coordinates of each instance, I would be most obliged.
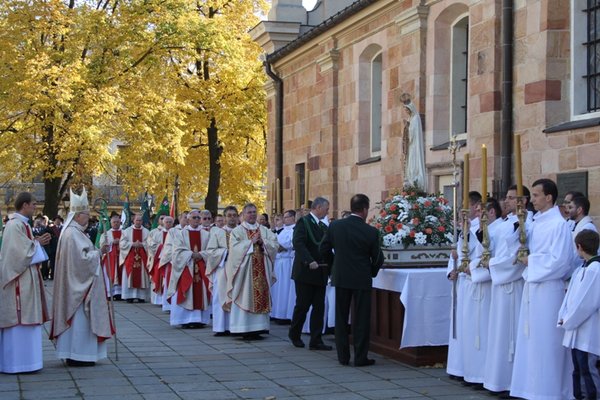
(482, 71)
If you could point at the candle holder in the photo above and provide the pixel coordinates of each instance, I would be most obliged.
(464, 265)
(487, 254)
(523, 251)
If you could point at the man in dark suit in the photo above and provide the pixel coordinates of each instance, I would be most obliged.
(310, 275)
(356, 259)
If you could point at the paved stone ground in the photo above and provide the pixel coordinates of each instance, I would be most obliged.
(157, 361)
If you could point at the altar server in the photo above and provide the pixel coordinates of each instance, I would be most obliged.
(541, 370)
(455, 365)
(579, 316)
(283, 293)
(507, 288)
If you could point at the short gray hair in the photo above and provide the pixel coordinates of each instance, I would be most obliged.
(318, 202)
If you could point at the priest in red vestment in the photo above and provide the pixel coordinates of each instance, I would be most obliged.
(134, 260)
(157, 274)
(249, 269)
(189, 286)
(110, 260)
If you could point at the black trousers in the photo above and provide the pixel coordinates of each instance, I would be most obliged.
(361, 323)
(307, 296)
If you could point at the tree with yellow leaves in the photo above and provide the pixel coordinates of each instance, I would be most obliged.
(78, 76)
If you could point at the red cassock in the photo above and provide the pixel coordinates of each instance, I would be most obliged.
(158, 273)
(110, 261)
(136, 261)
(198, 282)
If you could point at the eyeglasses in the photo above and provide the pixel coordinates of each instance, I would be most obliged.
(205, 219)
(194, 217)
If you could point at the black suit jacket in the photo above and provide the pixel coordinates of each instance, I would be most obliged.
(306, 240)
(358, 254)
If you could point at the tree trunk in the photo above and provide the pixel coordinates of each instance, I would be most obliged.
(211, 202)
(52, 196)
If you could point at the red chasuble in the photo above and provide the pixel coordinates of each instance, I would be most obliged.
(136, 261)
(199, 282)
(260, 286)
(158, 273)
(110, 261)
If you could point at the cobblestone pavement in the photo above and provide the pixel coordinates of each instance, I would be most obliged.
(157, 361)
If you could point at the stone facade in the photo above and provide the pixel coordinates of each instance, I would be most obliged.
(326, 126)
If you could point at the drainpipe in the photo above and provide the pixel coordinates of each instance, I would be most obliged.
(278, 126)
(506, 119)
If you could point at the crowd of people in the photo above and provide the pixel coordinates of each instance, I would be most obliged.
(233, 273)
(525, 324)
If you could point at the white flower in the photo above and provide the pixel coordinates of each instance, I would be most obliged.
(449, 237)
(401, 234)
(389, 240)
(431, 218)
(420, 238)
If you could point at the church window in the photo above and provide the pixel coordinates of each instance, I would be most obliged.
(585, 61)
(458, 77)
(370, 100)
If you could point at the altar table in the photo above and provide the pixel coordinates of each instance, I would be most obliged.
(410, 318)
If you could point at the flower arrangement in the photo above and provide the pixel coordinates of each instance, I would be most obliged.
(413, 217)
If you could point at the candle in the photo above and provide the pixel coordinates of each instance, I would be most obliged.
(306, 185)
(466, 182)
(273, 204)
(278, 195)
(518, 165)
(297, 188)
(483, 174)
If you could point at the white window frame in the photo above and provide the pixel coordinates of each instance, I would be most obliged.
(376, 103)
(578, 86)
(453, 78)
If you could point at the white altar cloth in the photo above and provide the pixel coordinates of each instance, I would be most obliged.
(426, 294)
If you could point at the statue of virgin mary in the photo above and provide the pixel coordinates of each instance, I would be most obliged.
(414, 171)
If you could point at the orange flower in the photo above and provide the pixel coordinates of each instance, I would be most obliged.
(383, 213)
(399, 226)
(393, 207)
(441, 229)
(428, 231)
(427, 203)
(389, 229)
(412, 234)
(415, 221)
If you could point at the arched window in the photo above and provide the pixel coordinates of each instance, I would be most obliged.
(458, 76)
(376, 94)
(370, 92)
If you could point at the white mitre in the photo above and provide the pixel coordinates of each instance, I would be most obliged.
(77, 204)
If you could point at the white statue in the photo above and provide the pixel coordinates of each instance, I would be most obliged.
(414, 162)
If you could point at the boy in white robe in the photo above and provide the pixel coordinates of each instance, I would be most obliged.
(579, 316)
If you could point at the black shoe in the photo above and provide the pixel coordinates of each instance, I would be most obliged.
(141, 301)
(219, 334)
(297, 342)
(364, 363)
(186, 326)
(345, 362)
(455, 378)
(320, 346)
(117, 297)
(130, 301)
(77, 363)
